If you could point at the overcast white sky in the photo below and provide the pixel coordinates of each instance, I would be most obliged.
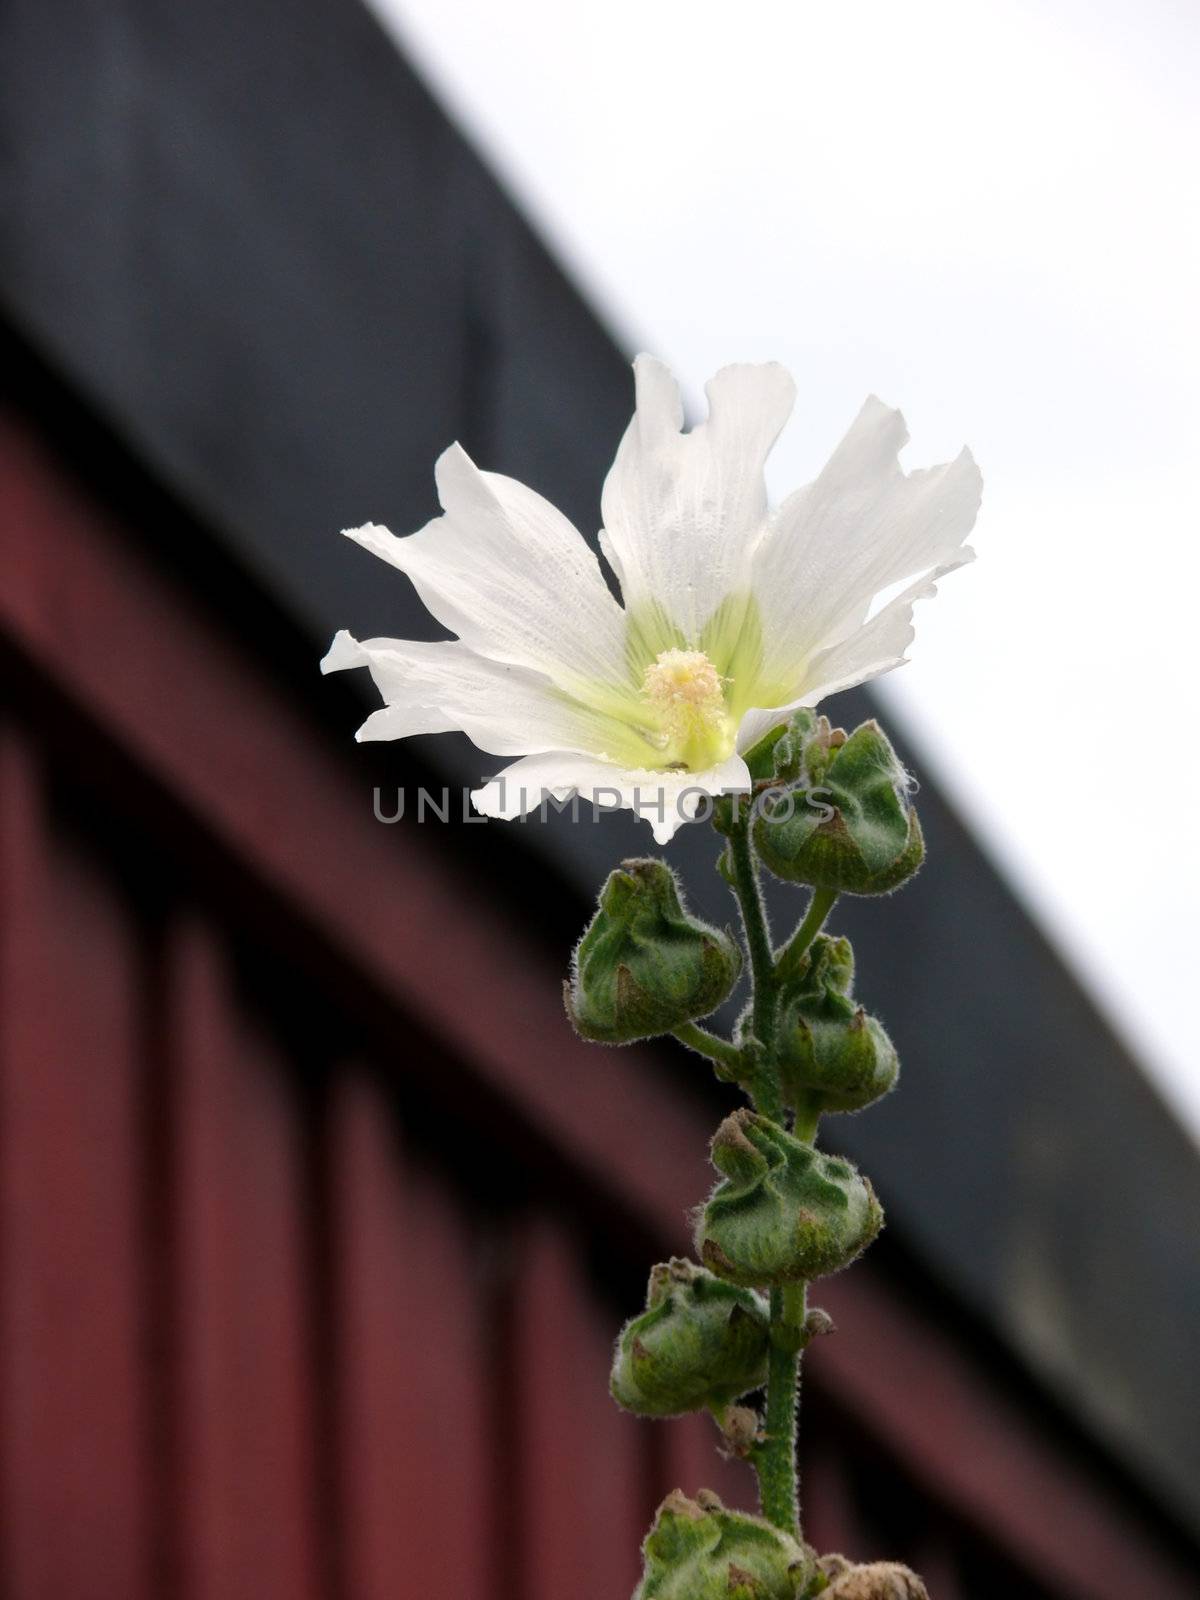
(987, 214)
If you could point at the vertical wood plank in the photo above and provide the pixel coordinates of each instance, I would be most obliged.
(693, 1461)
(830, 1519)
(936, 1563)
(73, 1467)
(584, 1500)
(414, 1461)
(245, 1433)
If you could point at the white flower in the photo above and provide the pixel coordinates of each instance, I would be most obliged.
(733, 616)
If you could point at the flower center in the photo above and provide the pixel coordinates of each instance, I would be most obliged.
(688, 698)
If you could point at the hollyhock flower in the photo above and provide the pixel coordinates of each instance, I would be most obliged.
(731, 616)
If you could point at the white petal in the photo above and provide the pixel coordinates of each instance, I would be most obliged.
(664, 799)
(880, 644)
(875, 648)
(509, 574)
(681, 510)
(436, 688)
(400, 721)
(861, 526)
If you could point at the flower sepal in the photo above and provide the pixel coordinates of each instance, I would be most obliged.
(700, 1344)
(697, 1550)
(785, 1212)
(778, 757)
(856, 831)
(645, 965)
(832, 1056)
(877, 1580)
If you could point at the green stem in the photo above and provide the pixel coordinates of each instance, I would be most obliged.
(726, 1057)
(775, 1460)
(806, 1123)
(819, 908)
(764, 1004)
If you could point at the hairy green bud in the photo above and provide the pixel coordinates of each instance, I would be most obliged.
(832, 1056)
(699, 1343)
(786, 1212)
(645, 965)
(697, 1550)
(851, 826)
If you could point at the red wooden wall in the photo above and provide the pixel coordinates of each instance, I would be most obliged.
(303, 1183)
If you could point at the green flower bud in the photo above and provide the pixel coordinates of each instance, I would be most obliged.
(644, 965)
(697, 1550)
(699, 1343)
(906, 865)
(832, 1056)
(851, 827)
(786, 1212)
